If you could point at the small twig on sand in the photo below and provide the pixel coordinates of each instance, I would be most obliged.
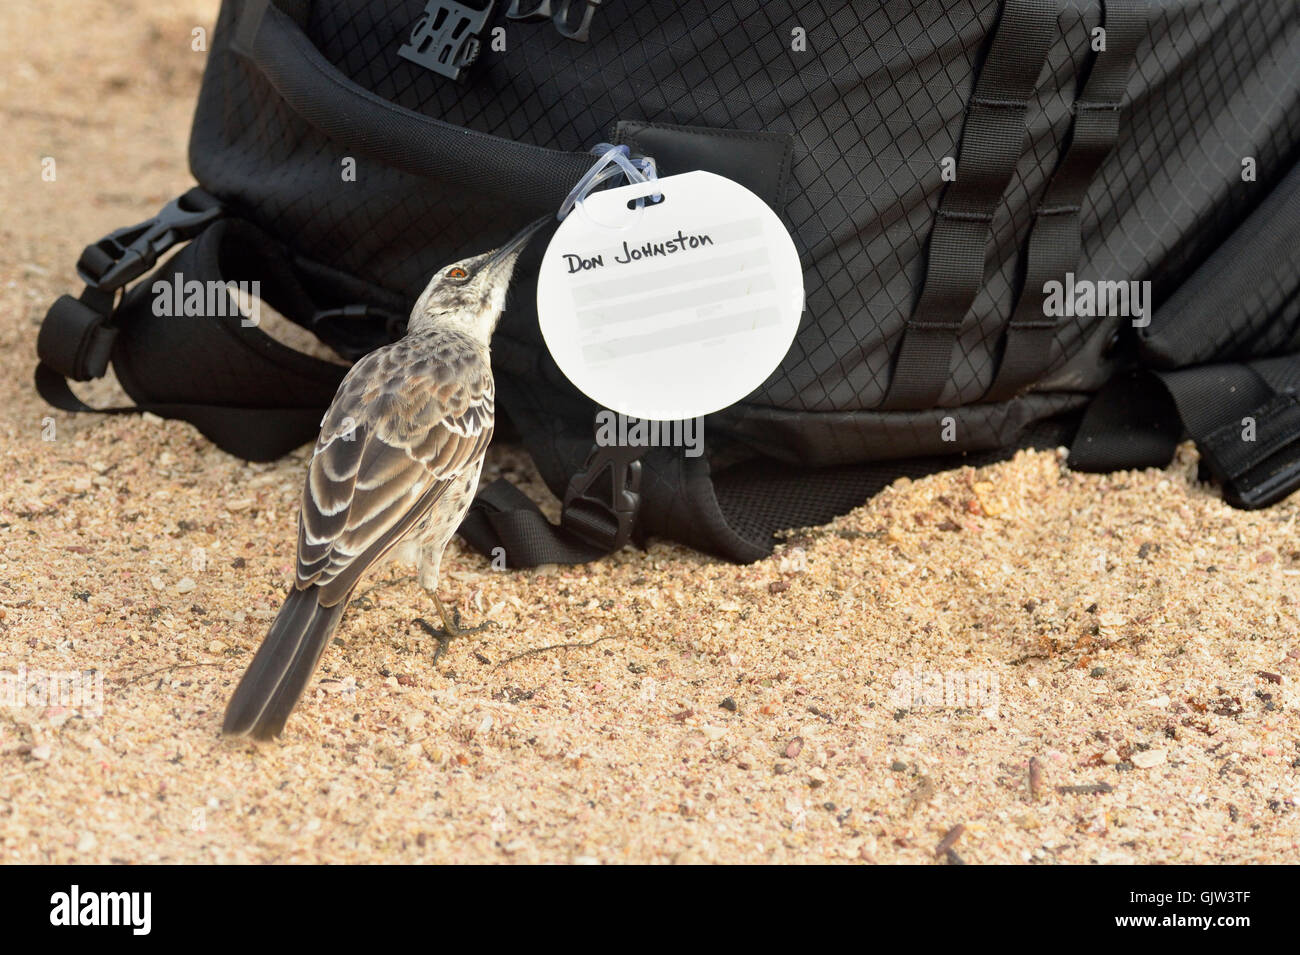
(554, 646)
(174, 666)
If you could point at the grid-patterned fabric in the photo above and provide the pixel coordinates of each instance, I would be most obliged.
(874, 104)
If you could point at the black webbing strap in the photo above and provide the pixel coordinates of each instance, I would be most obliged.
(1247, 284)
(249, 394)
(600, 508)
(77, 337)
(504, 521)
(1247, 431)
(1244, 418)
(993, 138)
(1055, 243)
(254, 434)
(1131, 422)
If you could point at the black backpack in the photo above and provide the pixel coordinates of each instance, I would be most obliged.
(939, 165)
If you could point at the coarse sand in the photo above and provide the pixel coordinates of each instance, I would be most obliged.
(1008, 664)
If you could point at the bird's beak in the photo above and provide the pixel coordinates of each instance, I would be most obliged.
(511, 249)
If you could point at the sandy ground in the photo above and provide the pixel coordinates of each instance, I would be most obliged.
(1017, 664)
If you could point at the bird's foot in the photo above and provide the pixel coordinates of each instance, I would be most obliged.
(451, 628)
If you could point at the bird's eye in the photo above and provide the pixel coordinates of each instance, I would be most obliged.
(457, 273)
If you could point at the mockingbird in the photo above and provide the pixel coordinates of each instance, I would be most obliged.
(393, 473)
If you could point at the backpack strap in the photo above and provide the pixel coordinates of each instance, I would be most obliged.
(620, 495)
(598, 517)
(1244, 299)
(1244, 418)
(1202, 374)
(992, 140)
(1055, 243)
(249, 394)
(77, 337)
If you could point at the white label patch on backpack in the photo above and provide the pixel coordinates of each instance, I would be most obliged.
(675, 309)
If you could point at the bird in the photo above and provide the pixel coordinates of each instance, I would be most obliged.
(392, 474)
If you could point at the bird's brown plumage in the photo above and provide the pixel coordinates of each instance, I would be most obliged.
(406, 422)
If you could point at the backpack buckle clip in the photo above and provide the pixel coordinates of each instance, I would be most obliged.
(602, 499)
(445, 37)
(129, 252)
(566, 24)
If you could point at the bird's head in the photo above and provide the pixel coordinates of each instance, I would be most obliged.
(472, 292)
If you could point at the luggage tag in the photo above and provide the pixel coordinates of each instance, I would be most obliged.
(671, 298)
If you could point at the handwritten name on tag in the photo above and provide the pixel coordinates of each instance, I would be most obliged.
(679, 243)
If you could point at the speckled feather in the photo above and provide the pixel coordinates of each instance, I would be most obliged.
(408, 421)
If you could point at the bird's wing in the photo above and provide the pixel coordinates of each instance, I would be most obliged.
(406, 422)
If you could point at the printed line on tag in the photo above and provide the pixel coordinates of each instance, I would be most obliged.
(743, 286)
(691, 333)
(613, 289)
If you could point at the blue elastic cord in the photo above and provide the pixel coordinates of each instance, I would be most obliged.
(613, 161)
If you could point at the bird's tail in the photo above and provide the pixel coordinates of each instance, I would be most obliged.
(282, 666)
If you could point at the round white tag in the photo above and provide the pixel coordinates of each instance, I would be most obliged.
(671, 310)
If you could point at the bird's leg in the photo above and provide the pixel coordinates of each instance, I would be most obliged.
(451, 628)
(430, 561)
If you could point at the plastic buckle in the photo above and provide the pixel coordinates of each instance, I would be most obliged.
(1268, 482)
(605, 520)
(1259, 472)
(128, 253)
(445, 38)
(563, 19)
